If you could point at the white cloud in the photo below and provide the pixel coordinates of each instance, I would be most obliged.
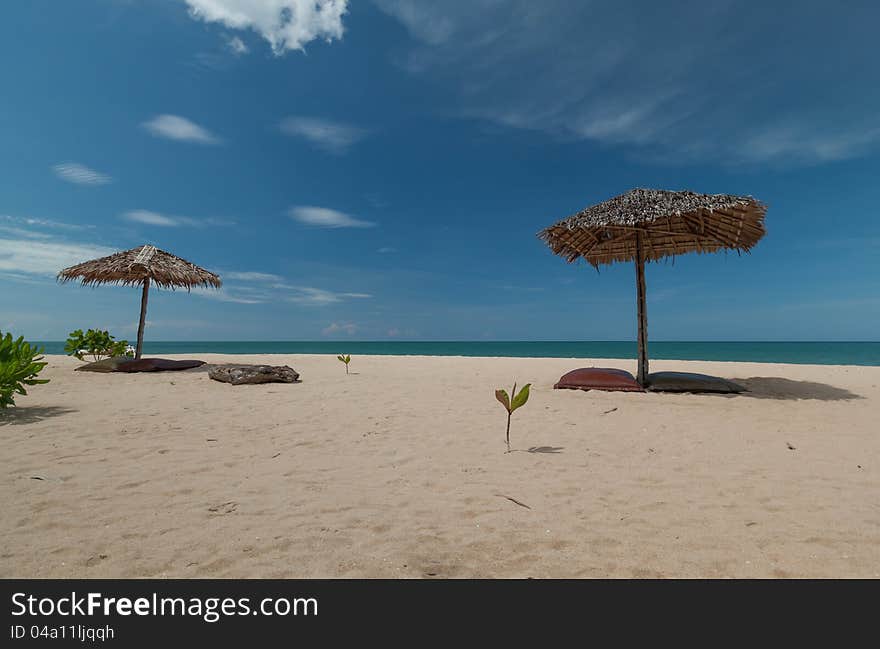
(386, 250)
(666, 85)
(74, 172)
(396, 332)
(340, 327)
(227, 294)
(175, 127)
(24, 226)
(150, 218)
(22, 232)
(285, 24)
(311, 296)
(807, 143)
(326, 218)
(237, 46)
(45, 257)
(249, 276)
(334, 137)
(162, 220)
(262, 287)
(427, 21)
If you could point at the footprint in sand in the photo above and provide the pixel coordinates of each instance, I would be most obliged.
(93, 561)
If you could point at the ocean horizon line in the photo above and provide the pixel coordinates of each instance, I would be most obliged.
(795, 352)
(475, 340)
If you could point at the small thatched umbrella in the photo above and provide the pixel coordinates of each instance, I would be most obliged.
(649, 224)
(137, 267)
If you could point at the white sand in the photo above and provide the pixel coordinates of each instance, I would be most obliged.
(400, 471)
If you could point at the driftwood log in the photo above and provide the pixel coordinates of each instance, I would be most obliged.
(248, 374)
(126, 364)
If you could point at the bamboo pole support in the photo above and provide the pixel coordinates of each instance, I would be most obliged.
(143, 320)
(642, 375)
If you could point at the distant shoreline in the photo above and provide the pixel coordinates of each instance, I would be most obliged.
(796, 353)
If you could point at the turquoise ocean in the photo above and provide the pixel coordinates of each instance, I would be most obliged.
(817, 353)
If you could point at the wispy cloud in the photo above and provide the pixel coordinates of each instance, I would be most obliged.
(150, 218)
(237, 46)
(324, 217)
(808, 142)
(397, 332)
(162, 220)
(334, 137)
(13, 231)
(311, 296)
(175, 127)
(285, 24)
(45, 257)
(250, 276)
(227, 294)
(386, 250)
(335, 328)
(664, 85)
(34, 228)
(79, 174)
(257, 287)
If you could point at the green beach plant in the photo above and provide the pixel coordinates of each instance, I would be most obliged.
(20, 363)
(519, 399)
(96, 343)
(345, 359)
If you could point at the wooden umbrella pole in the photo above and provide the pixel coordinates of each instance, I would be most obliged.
(642, 376)
(140, 341)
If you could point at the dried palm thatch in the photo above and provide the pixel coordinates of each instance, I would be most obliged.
(650, 224)
(670, 223)
(132, 267)
(138, 267)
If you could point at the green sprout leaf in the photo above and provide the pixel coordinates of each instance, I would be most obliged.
(521, 398)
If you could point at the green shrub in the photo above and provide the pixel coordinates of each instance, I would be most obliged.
(19, 365)
(97, 344)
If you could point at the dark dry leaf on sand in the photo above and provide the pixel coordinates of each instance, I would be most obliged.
(513, 500)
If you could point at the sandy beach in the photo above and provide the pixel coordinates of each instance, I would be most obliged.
(399, 470)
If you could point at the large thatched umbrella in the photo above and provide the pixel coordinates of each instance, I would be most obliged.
(138, 267)
(649, 224)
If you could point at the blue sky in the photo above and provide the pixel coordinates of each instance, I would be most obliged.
(378, 169)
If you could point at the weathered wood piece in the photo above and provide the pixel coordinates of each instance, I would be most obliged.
(250, 374)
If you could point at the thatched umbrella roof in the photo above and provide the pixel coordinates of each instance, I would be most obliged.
(672, 223)
(138, 267)
(649, 224)
(132, 267)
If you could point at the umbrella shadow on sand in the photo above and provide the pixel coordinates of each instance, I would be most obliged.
(774, 387)
(32, 414)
